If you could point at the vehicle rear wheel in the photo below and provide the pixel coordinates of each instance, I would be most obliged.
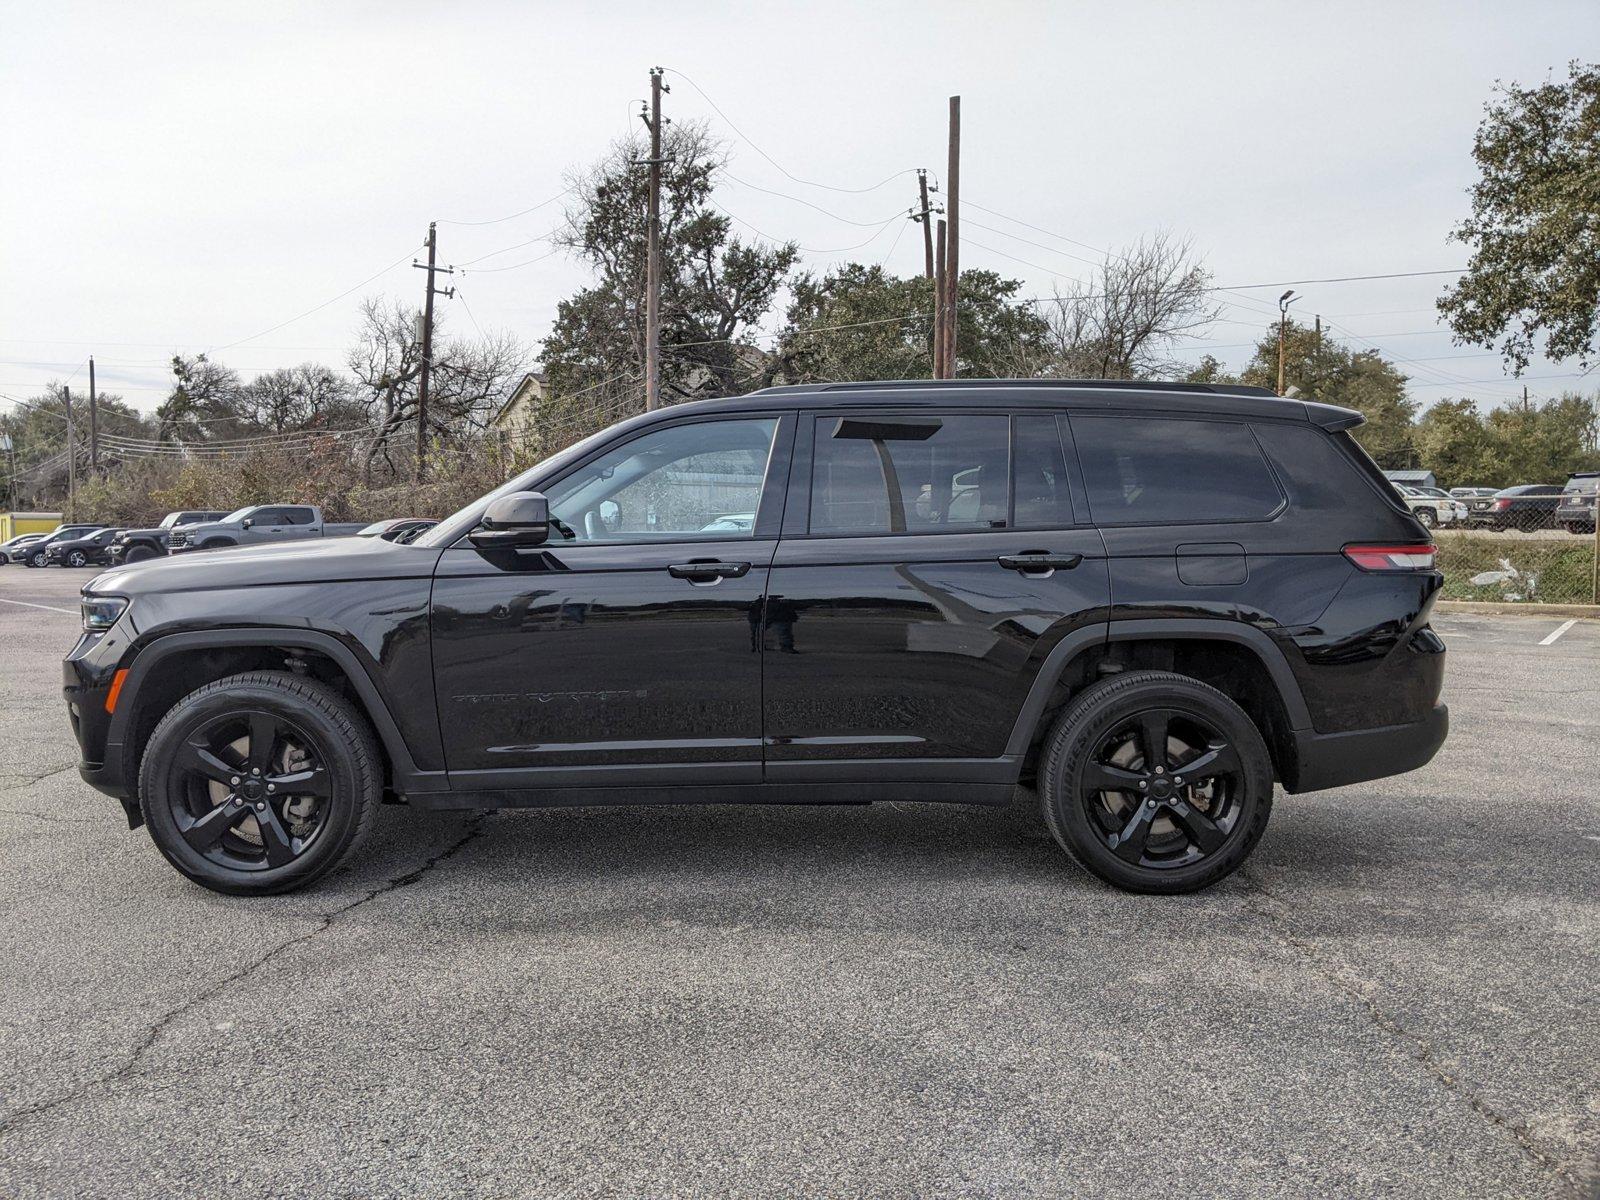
(1156, 782)
(138, 554)
(1425, 515)
(260, 783)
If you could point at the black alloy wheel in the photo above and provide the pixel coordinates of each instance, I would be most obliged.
(260, 783)
(1156, 782)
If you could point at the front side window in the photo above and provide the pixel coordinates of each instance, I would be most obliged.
(910, 474)
(1173, 471)
(702, 479)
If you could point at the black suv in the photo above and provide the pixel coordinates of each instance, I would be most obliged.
(1149, 601)
(90, 549)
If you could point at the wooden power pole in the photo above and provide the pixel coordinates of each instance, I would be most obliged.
(952, 266)
(938, 307)
(94, 422)
(426, 366)
(652, 253)
(925, 215)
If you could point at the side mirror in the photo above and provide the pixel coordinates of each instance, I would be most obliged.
(247, 522)
(520, 519)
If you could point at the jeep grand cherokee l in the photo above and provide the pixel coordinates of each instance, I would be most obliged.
(1150, 602)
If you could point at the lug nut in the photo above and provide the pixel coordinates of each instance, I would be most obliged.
(261, 806)
(1177, 779)
(1143, 784)
(234, 781)
(255, 770)
(272, 787)
(1161, 770)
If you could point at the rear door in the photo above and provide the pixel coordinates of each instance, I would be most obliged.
(930, 561)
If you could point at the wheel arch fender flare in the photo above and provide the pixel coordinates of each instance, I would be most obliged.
(1081, 641)
(150, 657)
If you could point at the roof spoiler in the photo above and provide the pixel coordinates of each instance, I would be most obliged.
(1331, 417)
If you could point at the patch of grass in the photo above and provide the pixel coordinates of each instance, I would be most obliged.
(1522, 569)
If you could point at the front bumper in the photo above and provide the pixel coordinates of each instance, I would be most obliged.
(1328, 760)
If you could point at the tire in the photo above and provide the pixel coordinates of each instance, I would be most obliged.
(35, 560)
(1425, 515)
(77, 559)
(1174, 845)
(179, 791)
(138, 553)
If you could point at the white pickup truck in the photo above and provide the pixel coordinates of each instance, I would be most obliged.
(256, 525)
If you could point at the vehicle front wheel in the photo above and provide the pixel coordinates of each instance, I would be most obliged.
(260, 783)
(138, 554)
(1156, 782)
(77, 559)
(35, 560)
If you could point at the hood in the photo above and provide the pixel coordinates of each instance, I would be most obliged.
(153, 531)
(330, 560)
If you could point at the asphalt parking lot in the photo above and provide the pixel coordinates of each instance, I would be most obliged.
(1396, 997)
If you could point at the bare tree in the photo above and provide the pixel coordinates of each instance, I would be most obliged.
(1122, 323)
(469, 381)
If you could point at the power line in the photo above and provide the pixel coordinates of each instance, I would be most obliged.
(520, 213)
(807, 249)
(744, 137)
(727, 174)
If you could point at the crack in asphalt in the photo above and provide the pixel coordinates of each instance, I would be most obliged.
(153, 1034)
(1417, 1046)
(30, 780)
(24, 812)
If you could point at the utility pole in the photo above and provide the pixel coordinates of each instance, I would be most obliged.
(94, 423)
(652, 261)
(427, 348)
(72, 459)
(1283, 328)
(952, 250)
(938, 309)
(923, 215)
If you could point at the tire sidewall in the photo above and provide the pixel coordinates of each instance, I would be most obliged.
(157, 776)
(1095, 716)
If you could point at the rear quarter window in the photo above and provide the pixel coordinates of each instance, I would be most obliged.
(1173, 471)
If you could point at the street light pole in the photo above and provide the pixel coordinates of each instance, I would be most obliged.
(1284, 301)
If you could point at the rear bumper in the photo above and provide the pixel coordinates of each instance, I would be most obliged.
(1328, 760)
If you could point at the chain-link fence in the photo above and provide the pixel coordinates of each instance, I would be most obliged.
(1543, 566)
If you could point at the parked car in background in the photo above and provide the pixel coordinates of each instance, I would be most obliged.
(135, 545)
(11, 550)
(399, 529)
(1472, 493)
(1576, 511)
(1152, 601)
(35, 554)
(256, 525)
(1432, 511)
(1527, 506)
(92, 549)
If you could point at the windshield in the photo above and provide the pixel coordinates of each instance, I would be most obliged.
(240, 514)
(373, 530)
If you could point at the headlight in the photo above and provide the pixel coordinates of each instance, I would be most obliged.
(100, 613)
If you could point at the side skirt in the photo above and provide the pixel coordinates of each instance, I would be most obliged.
(996, 794)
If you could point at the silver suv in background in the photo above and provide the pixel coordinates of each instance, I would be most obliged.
(1432, 506)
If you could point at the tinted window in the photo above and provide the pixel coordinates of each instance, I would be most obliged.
(1039, 481)
(298, 516)
(1172, 471)
(673, 483)
(897, 474)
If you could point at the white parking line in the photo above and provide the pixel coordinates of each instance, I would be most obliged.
(71, 612)
(1560, 629)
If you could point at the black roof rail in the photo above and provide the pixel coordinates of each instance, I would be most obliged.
(1131, 385)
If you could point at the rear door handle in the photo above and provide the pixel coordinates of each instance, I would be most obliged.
(1038, 562)
(708, 571)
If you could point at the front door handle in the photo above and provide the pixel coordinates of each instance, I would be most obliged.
(707, 571)
(1039, 562)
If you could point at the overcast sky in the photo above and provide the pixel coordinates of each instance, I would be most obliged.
(185, 177)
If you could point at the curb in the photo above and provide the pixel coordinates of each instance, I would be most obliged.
(1491, 609)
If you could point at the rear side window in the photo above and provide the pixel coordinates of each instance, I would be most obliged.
(297, 516)
(1040, 475)
(1173, 471)
(910, 474)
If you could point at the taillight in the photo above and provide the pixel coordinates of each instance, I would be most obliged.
(1501, 505)
(1391, 558)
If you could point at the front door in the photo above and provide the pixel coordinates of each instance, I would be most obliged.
(929, 563)
(626, 650)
